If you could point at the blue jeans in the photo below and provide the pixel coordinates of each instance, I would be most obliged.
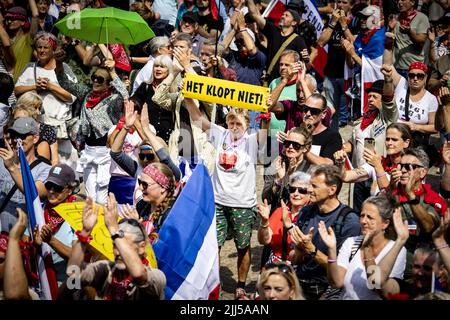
(335, 93)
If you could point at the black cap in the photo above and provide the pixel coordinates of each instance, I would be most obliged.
(61, 175)
(377, 87)
(298, 5)
(189, 15)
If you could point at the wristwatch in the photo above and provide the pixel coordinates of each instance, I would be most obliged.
(416, 200)
(344, 28)
(118, 234)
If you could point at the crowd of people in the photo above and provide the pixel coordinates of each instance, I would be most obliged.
(108, 124)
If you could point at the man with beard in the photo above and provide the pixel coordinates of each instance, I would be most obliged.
(209, 24)
(129, 277)
(284, 34)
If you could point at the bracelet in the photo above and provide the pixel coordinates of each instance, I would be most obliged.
(292, 226)
(242, 30)
(331, 260)
(381, 175)
(264, 226)
(82, 238)
(331, 26)
(442, 246)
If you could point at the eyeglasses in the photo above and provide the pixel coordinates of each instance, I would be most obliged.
(408, 166)
(280, 266)
(144, 184)
(299, 189)
(135, 223)
(419, 76)
(98, 79)
(297, 146)
(425, 267)
(313, 111)
(53, 186)
(21, 136)
(148, 156)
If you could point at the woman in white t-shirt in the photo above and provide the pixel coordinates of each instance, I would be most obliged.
(421, 105)
(367, 264)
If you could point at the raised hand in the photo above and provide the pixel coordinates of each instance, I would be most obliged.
(111, 214)
(182, 57)
(90, 215)
(46, 233)
(287, 222)
(327, 235)
(264, 211)
(348, 46)
(110, 64)
(339, 156)
(18, 229)
(37, 236)
(372, 157)
(8, 156)
(387, 71)
(128, 212)
(439, 234)
(280, 166)
(130, 113)
(401, 227)
(281, 136)
(444, 95)
(446, 152)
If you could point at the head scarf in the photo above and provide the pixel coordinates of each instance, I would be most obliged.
(157, 175)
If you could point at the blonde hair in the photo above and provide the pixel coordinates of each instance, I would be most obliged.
(290, 277)
(162, 60)
(30, 98)
(32, 112)
(170, 198)
(234, 112)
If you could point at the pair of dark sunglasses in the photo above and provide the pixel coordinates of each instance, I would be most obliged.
(144, 184)
(98, 79)
(297, 146)
(313, 111)
(135, 223)
(298, 189)
(53, 186)
(280, 266)
(425, 267)
(16, 135)
(419, 76)
(148, 156)
(408, 166)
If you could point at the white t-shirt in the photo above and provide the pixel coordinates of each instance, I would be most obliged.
(355, 281)
(236, 186)
(418, 111)
(53, 107)
(144, 74)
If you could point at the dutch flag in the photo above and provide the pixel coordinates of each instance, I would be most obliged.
(48, 286)
(187, 250)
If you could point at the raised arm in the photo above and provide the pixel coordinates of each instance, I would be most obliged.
(264, 231)
(439, 240)
(196, 114)
(8, 54)
(255, 14)
(388, 58)
(34, 18)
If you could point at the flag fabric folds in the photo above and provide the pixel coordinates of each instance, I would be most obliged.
(187, 249)
(48, 286)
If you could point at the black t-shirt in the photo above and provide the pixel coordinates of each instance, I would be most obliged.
(336, 54)
(307, 31)
(208, 23)
(275, 41)
(329, 141)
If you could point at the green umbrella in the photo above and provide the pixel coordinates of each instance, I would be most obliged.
(107, 25)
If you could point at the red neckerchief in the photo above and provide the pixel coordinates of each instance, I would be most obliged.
(365, 38)
(121, 123)
(293, 81)
(406, 18)
(368, 118)
(53, 218)
(119, 284)
(96, 96)
(120, 57)
(387, 166)
(401, 194)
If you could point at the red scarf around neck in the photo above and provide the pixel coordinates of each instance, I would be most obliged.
(53, 218)
(96, 96)
(406, 18)
(368, 118)
(365, 38)
(120, 282)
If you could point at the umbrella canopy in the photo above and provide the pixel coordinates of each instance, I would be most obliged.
(106, 25)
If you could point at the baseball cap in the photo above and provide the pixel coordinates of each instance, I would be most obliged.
(61, 175)
(377, 87)
(190, 16)
(16, 13)
(25, 125)
(368, 11)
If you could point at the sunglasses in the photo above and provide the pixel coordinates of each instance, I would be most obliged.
(408, 166)
(314, 111)
(52, 186)
(20, 136)
(148, 156)
(98, 79)
(144, 184)
(425, 267)
(135, 223)
(419, 76)
(297, 146)
(299, 189)
(280, 266)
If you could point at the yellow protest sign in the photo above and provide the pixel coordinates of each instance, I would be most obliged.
(72, 212)
(235, 94)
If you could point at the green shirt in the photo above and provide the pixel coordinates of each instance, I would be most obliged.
(23, 51)
(288, 93)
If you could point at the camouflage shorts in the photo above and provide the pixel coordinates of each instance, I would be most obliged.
(241, 221)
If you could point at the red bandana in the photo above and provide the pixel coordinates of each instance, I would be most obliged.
(406, 18)
(120, 284)
(367, 35)
(53, 218)
(157, 175)
(96, 96)
(419, 66)
(368, 118)
(3, 242)
(387, 166)
(120, 57)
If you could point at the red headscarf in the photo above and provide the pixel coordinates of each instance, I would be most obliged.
(418, 65)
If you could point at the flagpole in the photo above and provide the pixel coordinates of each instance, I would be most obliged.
(217, 39)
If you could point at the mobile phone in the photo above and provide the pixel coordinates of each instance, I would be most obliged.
(369, 143)
(2, 143)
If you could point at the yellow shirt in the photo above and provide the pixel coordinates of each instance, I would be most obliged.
(23, 50)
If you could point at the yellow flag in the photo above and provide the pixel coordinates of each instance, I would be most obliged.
(235, 94)
(72, 213)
